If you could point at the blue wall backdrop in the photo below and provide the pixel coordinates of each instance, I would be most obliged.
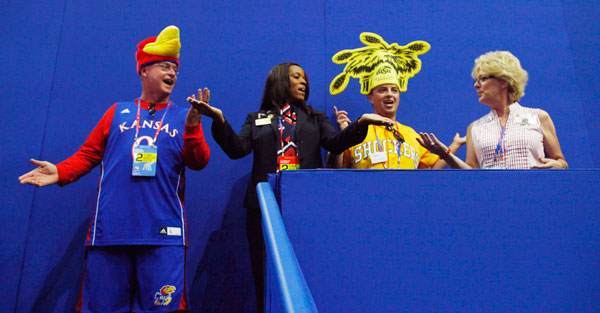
(65, 62)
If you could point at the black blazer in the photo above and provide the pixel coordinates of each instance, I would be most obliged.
(312, 133)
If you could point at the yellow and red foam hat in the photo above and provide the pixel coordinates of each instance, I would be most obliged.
(165, 47)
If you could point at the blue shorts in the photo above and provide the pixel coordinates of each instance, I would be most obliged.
(134, 278)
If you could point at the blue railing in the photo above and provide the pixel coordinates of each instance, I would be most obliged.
(286, 289)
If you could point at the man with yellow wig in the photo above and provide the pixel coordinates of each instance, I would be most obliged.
(137, 239)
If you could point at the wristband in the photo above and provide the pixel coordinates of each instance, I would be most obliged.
(443, 157)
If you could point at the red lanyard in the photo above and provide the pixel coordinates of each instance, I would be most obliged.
(138, 102)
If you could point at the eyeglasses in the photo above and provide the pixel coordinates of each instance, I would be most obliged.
(167, 66)
(482, 79)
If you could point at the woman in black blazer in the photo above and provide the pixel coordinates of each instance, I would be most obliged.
(304, 130)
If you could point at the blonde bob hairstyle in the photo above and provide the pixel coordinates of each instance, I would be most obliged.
(504, 65)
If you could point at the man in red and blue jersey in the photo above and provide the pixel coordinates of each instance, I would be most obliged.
(137, 239)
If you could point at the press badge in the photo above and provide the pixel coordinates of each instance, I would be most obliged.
(288, 163)
(144, 160)
(378, 157)
(262, 121)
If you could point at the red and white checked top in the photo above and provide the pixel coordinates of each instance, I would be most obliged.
(519, 148)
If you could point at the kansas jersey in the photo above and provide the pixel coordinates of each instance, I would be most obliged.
(407, 155)
(136, 210)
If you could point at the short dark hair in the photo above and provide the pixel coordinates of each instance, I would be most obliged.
(277, 89)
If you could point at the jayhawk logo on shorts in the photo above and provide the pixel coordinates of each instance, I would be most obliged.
(163, 297)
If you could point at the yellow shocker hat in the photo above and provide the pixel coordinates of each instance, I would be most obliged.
(383, 74)
(378, 63)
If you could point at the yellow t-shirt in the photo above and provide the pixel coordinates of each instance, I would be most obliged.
(412, 154)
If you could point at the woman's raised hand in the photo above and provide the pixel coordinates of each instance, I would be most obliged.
(341, 118)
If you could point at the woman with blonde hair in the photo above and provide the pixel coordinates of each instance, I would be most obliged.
(510, 136)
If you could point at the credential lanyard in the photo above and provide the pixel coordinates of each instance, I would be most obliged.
(499, 149)
(137, 126)
(381, 145)
(398, 143)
